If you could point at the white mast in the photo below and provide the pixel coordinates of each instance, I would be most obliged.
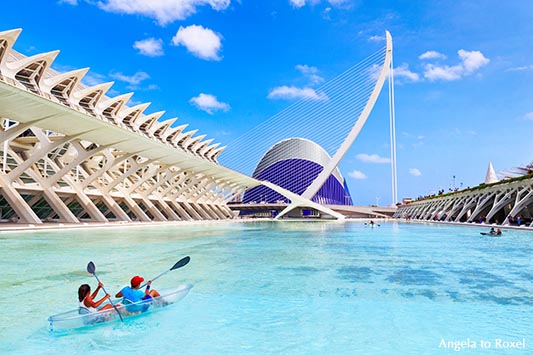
(392, 116)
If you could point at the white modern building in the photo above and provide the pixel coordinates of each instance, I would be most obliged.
(506, 202)
(70, 153)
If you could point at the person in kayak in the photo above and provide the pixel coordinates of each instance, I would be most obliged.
(87, 302)
(133, 294)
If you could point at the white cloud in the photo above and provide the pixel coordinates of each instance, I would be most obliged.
(326, 13)
(377, 38)
(373, 71)
(413, 139)
(372, 158)
(431, 55)
(529, 116)
(522, 68)
(415, 172)
(297, 3)
(91, 79)
(134, 79)
(164, 11)
(435, 72)
(201, 42)
(209, 103)
(356, 174)
(403, 72)
(471, 61)
(311, 73)
(150, 47)
(70, 2)
(292, 92)
(335, 3)
(339, 3)
(151, 87)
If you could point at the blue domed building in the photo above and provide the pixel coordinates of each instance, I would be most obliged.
(293, 164)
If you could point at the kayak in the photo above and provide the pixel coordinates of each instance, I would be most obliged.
(79, 319)
(491, 234)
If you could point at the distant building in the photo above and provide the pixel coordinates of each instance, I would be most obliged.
(293, 164)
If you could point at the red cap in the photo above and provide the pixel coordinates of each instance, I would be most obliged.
(136, 281)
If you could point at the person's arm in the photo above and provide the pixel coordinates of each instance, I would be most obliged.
(97, 289)
(102, 300)
(147, 290)
(89, 302)
(119, 294)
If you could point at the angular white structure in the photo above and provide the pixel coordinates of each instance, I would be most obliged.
(497, 203)
(69, 153)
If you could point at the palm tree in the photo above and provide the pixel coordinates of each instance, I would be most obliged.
(519, 171)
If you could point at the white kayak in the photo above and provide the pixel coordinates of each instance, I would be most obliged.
(78, 319)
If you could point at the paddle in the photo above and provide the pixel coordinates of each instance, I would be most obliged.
(177, 265)
(91, 269)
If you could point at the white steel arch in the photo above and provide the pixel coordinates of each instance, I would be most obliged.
(352, 135)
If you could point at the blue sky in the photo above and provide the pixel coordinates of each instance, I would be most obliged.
(464, 72)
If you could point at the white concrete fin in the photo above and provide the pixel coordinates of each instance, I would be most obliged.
(126, 111)
(178, 130)
(10, 37)
(155, 126)
(146, 125)
(101, 88)
(214, 155)
(169, 131)
(107, 103)
(175, 135)
(183, 139)
(209, 150)
(163, 132)
(191, 142)
(140, 120)
(201, 146)
(73, 76)
(13, 68)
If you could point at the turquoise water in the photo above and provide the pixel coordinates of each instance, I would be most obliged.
(278, 288)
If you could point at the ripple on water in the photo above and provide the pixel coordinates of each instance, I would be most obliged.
(356, 273)
(482, 280)
(420, 277)
(505, 301)
(300, 269)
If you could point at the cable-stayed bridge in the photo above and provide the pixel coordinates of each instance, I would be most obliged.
(331, 117)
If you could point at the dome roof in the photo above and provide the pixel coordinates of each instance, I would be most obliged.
(295, 148)
(294, 164)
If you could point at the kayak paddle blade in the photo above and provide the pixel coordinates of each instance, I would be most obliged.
(91, 268)
(181, 263)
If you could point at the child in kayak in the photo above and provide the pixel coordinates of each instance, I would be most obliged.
(133, 294)
(87, 303)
